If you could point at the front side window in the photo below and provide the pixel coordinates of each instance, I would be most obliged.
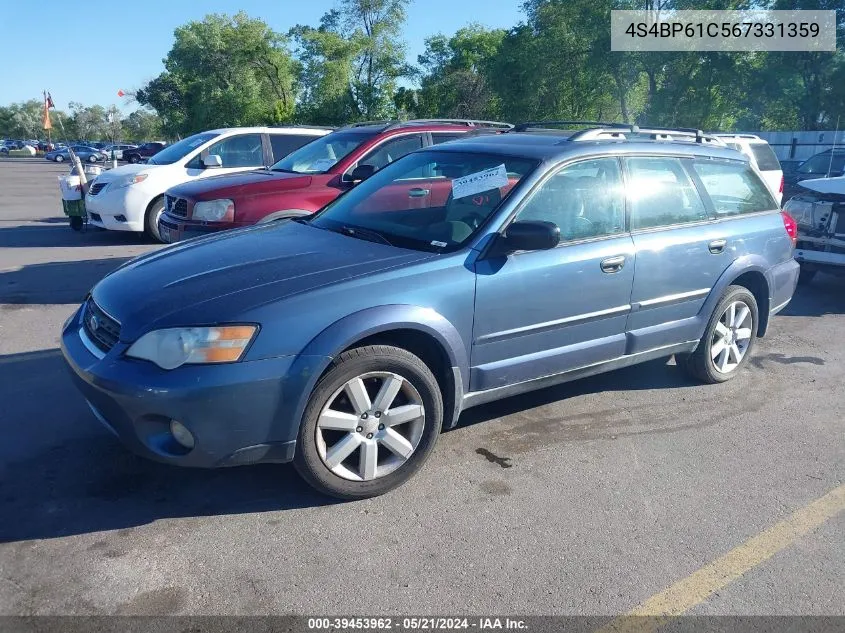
(178, 151)
(320, 156)
(584, 200)
(444, 137)
(661, 193)
(242, 150)
(733, 187)
(822, 164)
(438, 213)
(391, 150)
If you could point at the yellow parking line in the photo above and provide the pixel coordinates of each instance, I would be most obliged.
(701, 584)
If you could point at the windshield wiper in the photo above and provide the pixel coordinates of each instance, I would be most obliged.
(367, 234)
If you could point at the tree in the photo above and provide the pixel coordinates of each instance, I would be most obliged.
(142, 125)
(456, 74)
(352, 61)
(223, 71)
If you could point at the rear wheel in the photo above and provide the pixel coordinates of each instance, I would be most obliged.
(154, 212)
(728, 339)
(370, 424)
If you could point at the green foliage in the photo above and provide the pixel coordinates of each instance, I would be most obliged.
(223, 71)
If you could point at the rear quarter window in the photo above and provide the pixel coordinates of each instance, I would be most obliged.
(734, 188)
(765, 157)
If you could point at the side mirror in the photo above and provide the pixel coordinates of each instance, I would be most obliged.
(530, 235)
(212, 160)
(362, 172)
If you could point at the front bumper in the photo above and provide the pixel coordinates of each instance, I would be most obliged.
(121, 209)
(174, 229)
(236, 412)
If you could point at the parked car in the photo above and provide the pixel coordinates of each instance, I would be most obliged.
(144, 151)
(761, 156)
(85, 153)
(131, 197)
(304, 181)
(454, 276)
(118, 149)
(819, 211)
(827, 164)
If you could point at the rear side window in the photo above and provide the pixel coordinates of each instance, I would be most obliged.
(661, 193)
(284, 144)
(734, 188)
(765, 157)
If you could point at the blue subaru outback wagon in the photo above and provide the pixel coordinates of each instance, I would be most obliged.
(454, 276)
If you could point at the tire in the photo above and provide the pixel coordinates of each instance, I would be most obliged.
(701, 363)
(806, 276)
(354, 423)
(92, 158)
(154, 212)
(59, 159)
(134, 158)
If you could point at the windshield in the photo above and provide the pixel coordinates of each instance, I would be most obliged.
(433, 201)
(317, 157)
(177, 151)
(820, 163)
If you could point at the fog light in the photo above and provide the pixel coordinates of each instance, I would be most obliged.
(181, 434)
(120, 218)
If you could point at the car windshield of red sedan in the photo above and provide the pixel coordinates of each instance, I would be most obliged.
(434, 201)
(317, 157)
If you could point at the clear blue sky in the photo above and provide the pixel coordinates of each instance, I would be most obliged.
(121, 44)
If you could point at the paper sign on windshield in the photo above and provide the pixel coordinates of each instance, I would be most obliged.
(469, 185)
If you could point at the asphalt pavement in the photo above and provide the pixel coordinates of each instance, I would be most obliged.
(583, 499)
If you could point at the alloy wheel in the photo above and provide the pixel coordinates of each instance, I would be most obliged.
(731, 337)
(370, 426)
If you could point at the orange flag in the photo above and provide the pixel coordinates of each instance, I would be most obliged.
(46, 123)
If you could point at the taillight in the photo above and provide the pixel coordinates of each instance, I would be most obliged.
(791, 226)
(780, 189)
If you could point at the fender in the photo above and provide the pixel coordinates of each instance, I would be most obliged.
(313, 360)
(740, 266)
(287, 213)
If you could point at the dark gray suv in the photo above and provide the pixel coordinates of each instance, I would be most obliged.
(457, 275)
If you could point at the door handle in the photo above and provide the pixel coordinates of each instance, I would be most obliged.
(418, 193)
(717, 246)
(613, 264)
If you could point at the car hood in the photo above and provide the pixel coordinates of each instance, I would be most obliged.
(825, 185)
(219, 278)
(110, 175)
(233, 185)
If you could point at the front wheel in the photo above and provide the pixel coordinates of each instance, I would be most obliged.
(92, 159)
(728, 339)
(134, 158)
(370, 424)
(154, 212)
(60, 158)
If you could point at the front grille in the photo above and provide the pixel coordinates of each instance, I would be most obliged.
(177, 207)
(99, 326)
(96, 188)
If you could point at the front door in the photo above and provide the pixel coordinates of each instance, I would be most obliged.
(542, 313)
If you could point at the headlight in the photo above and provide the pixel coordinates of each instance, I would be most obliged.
(174, 347)
(214, 210)
(129, 180)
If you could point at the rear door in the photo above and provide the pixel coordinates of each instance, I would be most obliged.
(680, 252)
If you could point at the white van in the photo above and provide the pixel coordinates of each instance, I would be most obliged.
(131, 198)
(762, 156)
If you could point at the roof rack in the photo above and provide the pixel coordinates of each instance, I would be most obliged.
(305, 125)
(473, 123)
(624, 131)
